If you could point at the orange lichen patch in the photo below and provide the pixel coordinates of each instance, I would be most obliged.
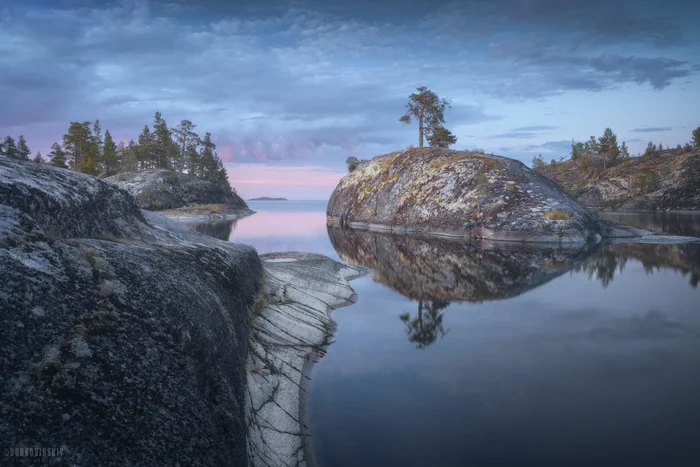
(556, 215)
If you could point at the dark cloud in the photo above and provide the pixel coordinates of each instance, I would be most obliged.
(653, 129)
(317, 79)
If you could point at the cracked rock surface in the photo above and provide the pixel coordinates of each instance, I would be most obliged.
(291, 330)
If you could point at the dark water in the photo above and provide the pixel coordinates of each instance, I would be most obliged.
(459, 355)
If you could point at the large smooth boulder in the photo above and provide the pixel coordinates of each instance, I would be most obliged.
(124, 334)
(462, 194)
(156, 190)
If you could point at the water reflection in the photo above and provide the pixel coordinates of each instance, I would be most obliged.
(218, 229)
(444, 270)
(608, 262)
(675, 223)
(424, 329)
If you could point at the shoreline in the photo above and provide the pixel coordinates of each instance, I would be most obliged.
(291, 331)
(206, 213)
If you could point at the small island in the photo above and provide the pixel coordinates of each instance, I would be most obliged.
(266, 198)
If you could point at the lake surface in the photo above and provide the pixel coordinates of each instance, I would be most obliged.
(457, 355)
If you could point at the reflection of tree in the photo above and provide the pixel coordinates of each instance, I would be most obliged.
(220, 229)
(683, 258)
(424, 328)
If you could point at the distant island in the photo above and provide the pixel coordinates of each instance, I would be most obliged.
(265, 198)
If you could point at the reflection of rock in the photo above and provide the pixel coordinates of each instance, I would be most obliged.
(221, 229)
(684, 258)
(291, 330)
(453, 269)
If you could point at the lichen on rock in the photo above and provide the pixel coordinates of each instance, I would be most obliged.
(462, 194)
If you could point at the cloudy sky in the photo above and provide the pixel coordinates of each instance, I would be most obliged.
(290, 89)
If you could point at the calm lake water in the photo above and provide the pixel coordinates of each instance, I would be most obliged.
(456, 355)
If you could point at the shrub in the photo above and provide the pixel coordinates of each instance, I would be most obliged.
(646, 181)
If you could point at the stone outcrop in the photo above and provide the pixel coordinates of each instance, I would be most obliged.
(291, 331)
(124, 334)
(163, 189)
(668, 181)
(462, 194)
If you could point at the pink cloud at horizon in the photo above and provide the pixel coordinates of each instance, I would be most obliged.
(295, 182)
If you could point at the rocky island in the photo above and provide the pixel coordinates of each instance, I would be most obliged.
(463, 194)
(660, 180)
(181, 195)
(126, 335)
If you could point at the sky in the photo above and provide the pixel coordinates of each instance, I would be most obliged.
(290, 89)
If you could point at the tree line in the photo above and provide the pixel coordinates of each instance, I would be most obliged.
(607, 149)
(84, 148)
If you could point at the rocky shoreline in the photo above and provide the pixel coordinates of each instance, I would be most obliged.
(127, 336)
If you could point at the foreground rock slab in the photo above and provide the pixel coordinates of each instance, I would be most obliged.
(292, 329)
(462, 194)
(124, 333)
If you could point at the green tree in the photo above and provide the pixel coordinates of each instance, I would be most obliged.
(696, 137)
(57, 157)
(538, 162)
(97, 147)
(651, 150)
(608, 148)
(162, 142)
(109, 154)
(184, 137)
(77, 142)
(578, 149)
(352, 163)
(441, 137)
(23, 151)
(145, 149)
(624, 151)
(207, 163)
(9, 148)
(130, 161)
(426, 107)
(38, 159)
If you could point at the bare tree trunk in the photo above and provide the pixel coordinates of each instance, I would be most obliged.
(420, 132)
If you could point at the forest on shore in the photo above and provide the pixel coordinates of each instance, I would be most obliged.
(84, 148)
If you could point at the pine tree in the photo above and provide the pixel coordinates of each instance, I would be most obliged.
(206, 158)
(577, 150)
(9, 148)
(145, 149)
(538, 162)
(57, 157)
(650, 151)
(23, 151)
(696, 137)
(130, 162)
(184, 136)
(109, 155)
(440, 137)
(608, 148)
(97, 147)
(162, 142)
(426, 107)
(624, 152)
(38, 159)
(77, 142)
